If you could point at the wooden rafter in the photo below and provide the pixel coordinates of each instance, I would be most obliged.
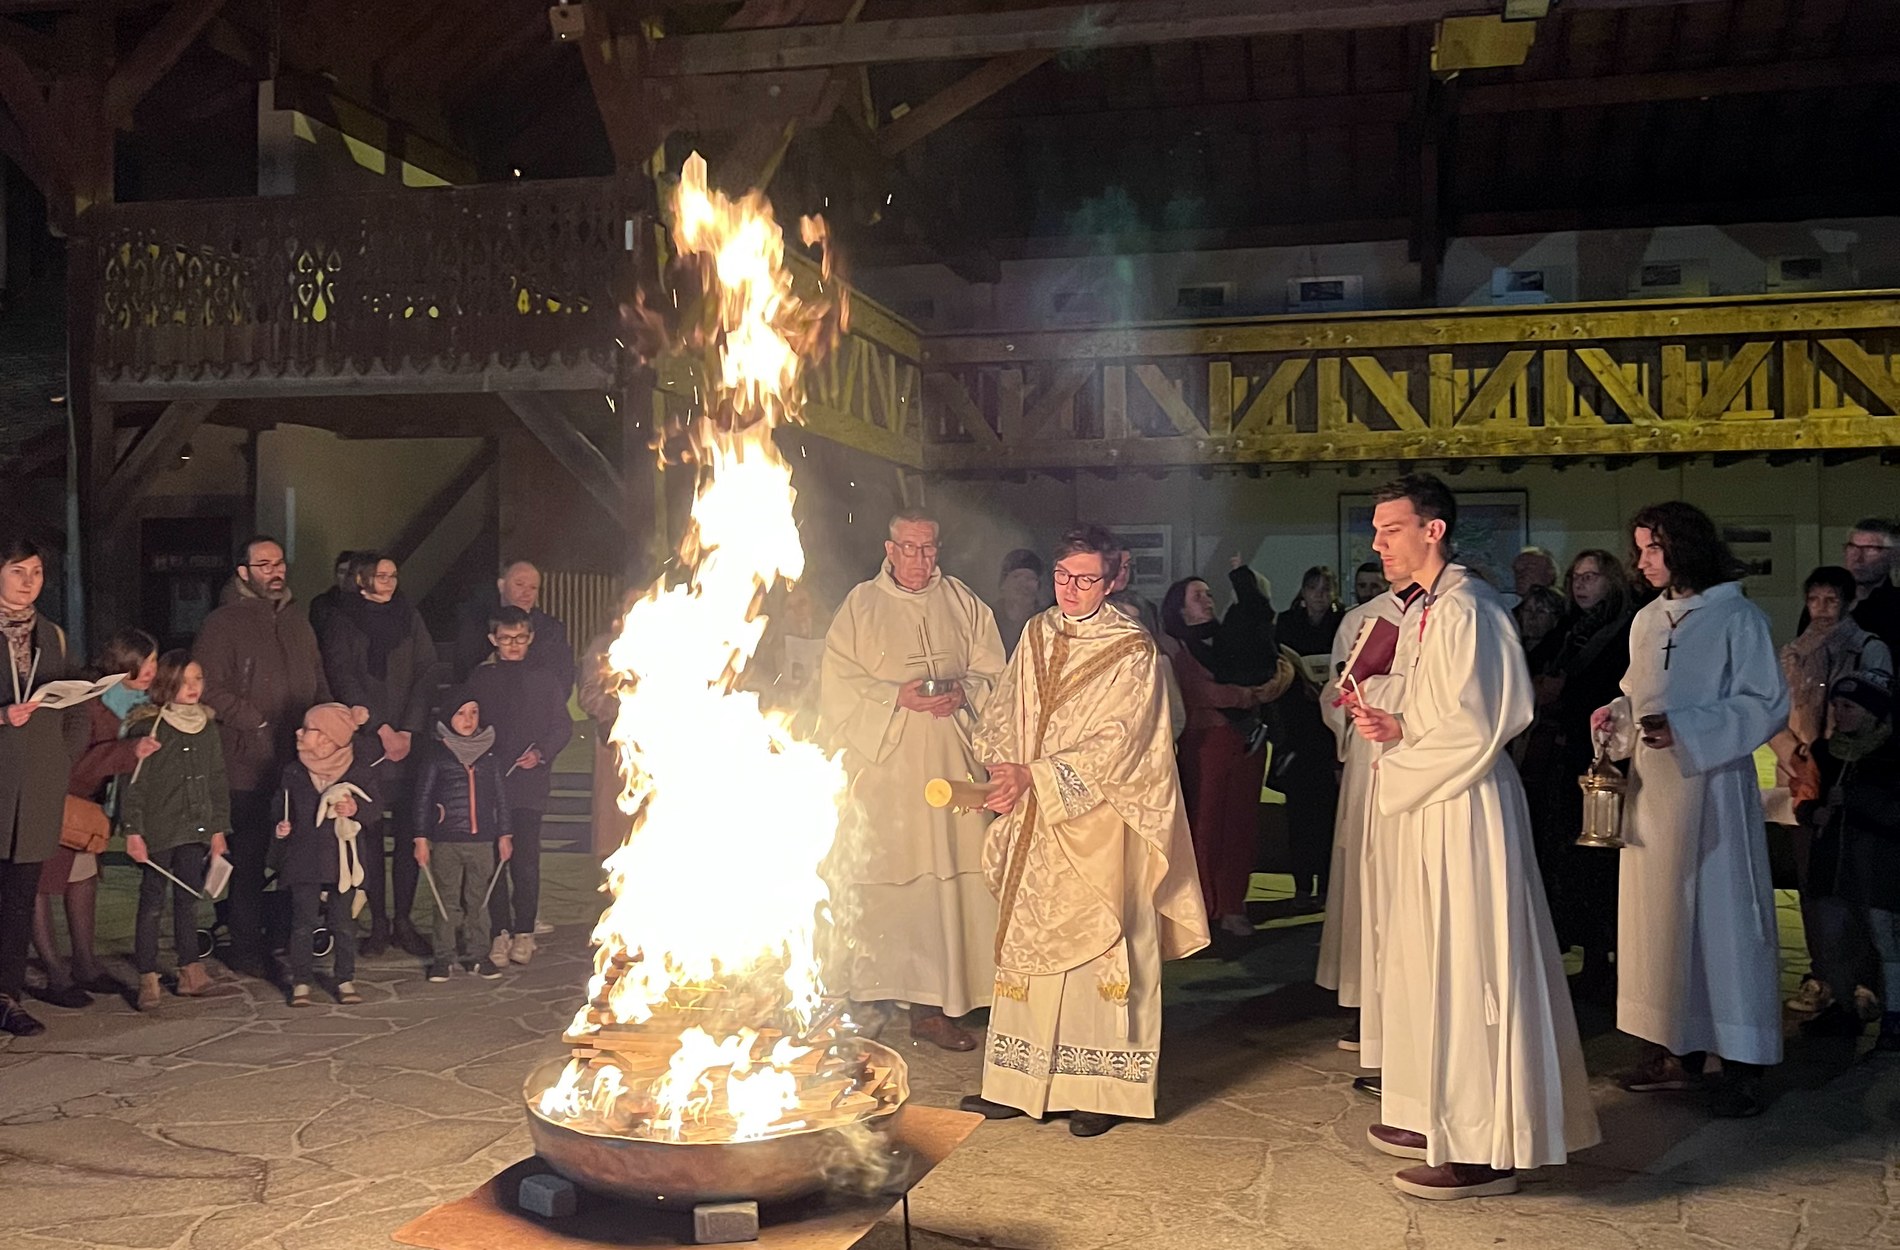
(160, 443)
(155, 54)
(42, 144)
(545, 417)
(957, 99)
(426, 521)
(1117, 23)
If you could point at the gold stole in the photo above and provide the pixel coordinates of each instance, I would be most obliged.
(1055, 688)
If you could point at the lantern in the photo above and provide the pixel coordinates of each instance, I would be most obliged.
(1603, 788)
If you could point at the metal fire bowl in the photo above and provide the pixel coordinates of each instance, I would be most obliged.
(685, 1174)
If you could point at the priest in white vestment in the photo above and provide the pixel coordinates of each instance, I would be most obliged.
(1483, 1072)
(1697, 951)
(921, 918)
(1364, 652)
(1091, 860)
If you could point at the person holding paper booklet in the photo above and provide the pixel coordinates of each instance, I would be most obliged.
(71, 873)
(33, 765)
(175, 817)
(331, 810)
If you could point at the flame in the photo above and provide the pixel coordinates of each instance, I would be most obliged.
(717, 897)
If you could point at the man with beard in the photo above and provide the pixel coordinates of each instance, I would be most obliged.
(262, 672)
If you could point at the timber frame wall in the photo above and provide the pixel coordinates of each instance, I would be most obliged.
(1721, 375)
(516, 288)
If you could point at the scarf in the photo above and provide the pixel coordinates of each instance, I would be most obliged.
(1851, 747)
(120, 701)
(385, 625)
(1199, 641)
(349, 864)
(468, 749)
(190, 718)
(335, 726)
(17, 626)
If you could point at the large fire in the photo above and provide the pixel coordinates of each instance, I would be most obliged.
(706, 1016)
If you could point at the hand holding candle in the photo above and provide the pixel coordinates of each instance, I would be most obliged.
(958, 796)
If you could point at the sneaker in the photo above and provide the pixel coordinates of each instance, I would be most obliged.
(1350, 1040)
(498, 950)
(299, 996)
(487, 971)
(541, 927)
(15, 1020)
(1660, 1072)
(346, 993)
(522, 949)
(439, 972)
(1866, 1004)
(1813, 995)
(1401, 1143)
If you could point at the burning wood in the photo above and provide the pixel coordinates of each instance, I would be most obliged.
(706, 1019)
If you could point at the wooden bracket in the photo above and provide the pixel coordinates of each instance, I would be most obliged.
(161, 442)
(542, 413)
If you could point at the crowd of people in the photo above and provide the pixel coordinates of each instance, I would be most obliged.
(1097, 764)
(288, 748)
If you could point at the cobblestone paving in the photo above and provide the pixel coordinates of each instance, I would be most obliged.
(222, 1124)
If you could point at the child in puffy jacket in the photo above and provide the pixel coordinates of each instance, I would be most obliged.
(461, 834)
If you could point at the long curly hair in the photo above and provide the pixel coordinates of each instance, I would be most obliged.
(1697, 555)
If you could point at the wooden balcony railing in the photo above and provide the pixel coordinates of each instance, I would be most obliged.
(506, 286)
(1724, 375)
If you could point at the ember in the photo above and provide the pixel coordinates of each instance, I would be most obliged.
(706, 1018)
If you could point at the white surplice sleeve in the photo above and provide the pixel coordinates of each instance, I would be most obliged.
(1753, 709)
(1483, 695)
(855, 707)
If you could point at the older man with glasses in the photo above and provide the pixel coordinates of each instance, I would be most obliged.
(910, 660)
(1868, 554)
(262, 672)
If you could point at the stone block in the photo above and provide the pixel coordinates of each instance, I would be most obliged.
(716, 1223)
(548, 1196)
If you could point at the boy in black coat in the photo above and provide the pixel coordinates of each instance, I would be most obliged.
(329, 814)
(461, 823)
(527, 705)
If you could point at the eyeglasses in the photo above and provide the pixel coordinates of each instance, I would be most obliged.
(268, 566)
(1865, 548)
(1584, 576)
(910, 551)
(513, 640)
(383, 577)
(1081, 581)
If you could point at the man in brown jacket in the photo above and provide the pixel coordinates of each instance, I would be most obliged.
(262, 672)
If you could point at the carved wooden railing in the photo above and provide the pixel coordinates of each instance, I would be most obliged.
(1735, 375)
(463, 288)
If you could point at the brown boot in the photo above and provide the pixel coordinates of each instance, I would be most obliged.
(929, 1024)
(149, 996)
(195, 982)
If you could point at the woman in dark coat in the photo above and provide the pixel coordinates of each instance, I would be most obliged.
(377, 654)
(96, 736)
(1579, 668)
(33, 765)
(1305, 753)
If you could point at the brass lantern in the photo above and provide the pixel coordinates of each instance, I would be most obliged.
(1603, 789)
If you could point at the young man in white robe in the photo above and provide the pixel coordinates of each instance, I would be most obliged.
(1091, 860)
(1483, 1073)
(1363, 648)
(1697, 950)
(920, 916)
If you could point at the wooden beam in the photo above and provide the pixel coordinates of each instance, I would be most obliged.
(440, 504)
(155, 54)
(957, 99)
(1116, 23)
(156, 448)
(545, 417)
(41, 50)
(42, 140)
(1772, 78)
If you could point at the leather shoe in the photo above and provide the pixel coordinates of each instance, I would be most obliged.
(1091, 1123)
(1370, 1085)
(1401, 1143)
(15, 1020)
(68, 996)
(989, 1110)
(929, 1024)
(409, 940)
(1456, 1180)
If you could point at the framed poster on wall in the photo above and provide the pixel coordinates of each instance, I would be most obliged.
(1493, 526)
(1152, 549)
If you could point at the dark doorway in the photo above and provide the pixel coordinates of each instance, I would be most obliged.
(184, 563)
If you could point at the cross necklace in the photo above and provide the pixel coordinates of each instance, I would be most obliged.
(1669, 646)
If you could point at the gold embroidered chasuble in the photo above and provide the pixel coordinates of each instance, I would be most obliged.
(1094, 869)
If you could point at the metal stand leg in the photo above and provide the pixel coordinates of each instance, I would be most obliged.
(907, 1245)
